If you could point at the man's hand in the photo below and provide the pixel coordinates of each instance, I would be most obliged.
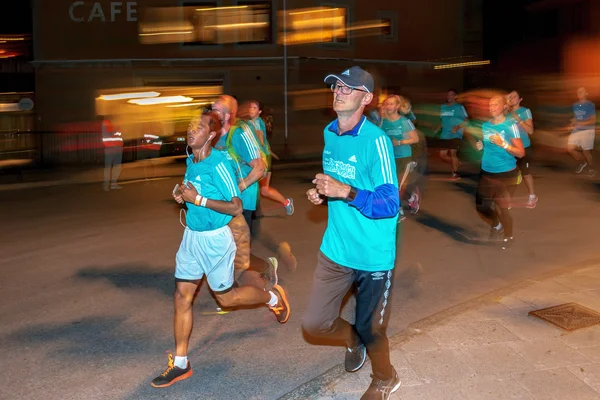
(188, 192)
(313, 196)
(178, 198)
(327, 186)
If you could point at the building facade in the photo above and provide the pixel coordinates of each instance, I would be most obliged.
(88, 50)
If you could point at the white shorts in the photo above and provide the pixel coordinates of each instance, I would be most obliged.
(583, 139)
(207, 253)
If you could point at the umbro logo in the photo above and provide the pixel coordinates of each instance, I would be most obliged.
(346, 72)
(377, 276)
(353, 159)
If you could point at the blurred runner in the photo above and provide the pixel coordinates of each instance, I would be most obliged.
(113, 154)
(208, 247)
(454, 119)
(524, 120)
(501, 144)
(581, 139)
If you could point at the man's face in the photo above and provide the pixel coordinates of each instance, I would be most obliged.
(198, 132)
(348, 103)
(451, 96)
(513, 99)
(253, 110)
(581, 93)
(222, 110)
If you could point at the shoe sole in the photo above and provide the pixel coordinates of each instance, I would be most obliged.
(179, 378)
(364, 360)
(285, 302)
(275, 265)
(395, 388)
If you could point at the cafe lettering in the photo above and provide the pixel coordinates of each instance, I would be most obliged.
(85, 11)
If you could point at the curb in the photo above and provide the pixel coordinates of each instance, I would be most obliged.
(316, 387)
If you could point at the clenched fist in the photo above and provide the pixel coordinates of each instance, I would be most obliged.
(313, 196)
(327, 186)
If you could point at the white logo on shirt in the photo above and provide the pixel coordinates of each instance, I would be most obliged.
(327, 152)
(352, 159)
(337, 167)
(198, 178)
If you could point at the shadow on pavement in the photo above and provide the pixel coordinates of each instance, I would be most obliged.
(132, 276)
(454, 231)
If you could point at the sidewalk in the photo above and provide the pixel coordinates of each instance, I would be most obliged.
(489, 348)
(164, 167)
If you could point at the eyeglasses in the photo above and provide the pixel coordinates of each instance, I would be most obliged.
(343, 89)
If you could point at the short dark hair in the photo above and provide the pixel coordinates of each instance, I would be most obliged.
(452, 90)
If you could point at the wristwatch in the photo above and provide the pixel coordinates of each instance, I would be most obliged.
(352, 194)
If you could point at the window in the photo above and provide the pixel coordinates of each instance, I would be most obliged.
(201, 15)
(254, 23)
(317, 25)
(389, 25)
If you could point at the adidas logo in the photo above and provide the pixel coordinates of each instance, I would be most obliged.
(353, 159)
(346, 72)
(198, 178)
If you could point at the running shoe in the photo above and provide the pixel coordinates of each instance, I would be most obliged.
(414, 204)
(270, 275)
(284, 253)
(592, 173)
(282, 308)
(531, 203)
(355, 358)
(114, 186)
(580, 168)
(380, 389)
(172, 374)
(289, 209)
(455, 176)
(496, 235)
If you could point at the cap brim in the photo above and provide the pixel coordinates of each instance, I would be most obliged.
(346, 80)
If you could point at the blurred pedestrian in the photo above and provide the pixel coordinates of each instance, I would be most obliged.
(113, 153)
(523, 118)
(581, 139)
(454, 119)
(501, 143)
(360, 186)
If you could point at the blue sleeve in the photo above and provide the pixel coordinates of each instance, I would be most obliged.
(383, 202)
(464, 112)
(406, 125)
(411, 116)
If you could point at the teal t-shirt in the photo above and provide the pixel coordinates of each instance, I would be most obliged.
(213, 179)
(496, 159)
(259, 125)
(524, 114)
(247, 148)
(398, 130)
(452, 115)
(364, 161)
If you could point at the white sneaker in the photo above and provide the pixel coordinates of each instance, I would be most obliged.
(580, 168)
(531, 203)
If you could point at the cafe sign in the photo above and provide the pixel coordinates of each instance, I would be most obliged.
(86, 11)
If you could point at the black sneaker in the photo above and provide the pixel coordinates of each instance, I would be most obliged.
(507, 243)
(282, 309)
(382, 390)
(355, 358)
(172, 374)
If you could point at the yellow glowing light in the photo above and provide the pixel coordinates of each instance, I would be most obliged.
(8, 107)
(189, 104)
(324, 9)
(460, 65)
(161, 100)
(240, 25)
(368, 26)
(125, 96)
(167, 33)
(312, 23)
(219, 8)
(7, 39)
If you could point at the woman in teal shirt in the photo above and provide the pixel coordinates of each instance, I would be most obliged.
(402, 133)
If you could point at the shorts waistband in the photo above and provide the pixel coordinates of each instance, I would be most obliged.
(214, 232)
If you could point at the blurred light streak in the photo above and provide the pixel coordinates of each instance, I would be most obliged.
(322, 9)
(167, 33)
(461, 65)
(125, 96)
(161, 100)
(189, 104)
(220, 8)
(9, 107)
(240, 25)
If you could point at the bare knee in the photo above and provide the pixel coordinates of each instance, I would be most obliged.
(182, 300)
(264, 190)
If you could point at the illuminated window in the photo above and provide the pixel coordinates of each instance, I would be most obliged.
(389, 30)
(201, 15)
(256, 21)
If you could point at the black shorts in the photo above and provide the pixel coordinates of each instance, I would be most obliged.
(450, 144)
(523, 163)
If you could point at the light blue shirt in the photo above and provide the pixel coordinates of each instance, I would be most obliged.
(398, 130)
(363, 159)
(524, 114)
(582, 113)
(496, 159)
(213, 179)
(452, 115)
(247, 148)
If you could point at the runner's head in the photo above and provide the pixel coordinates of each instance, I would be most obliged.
(352, 90)
(227, 107)
(513, 99)
(204, 129)
(391, 106)
(451, 96)
(253, 109)
(497, 105)
(582, 93)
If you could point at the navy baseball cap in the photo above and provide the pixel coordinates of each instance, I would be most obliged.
(354, 77)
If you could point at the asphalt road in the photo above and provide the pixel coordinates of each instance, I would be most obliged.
(86, 289)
